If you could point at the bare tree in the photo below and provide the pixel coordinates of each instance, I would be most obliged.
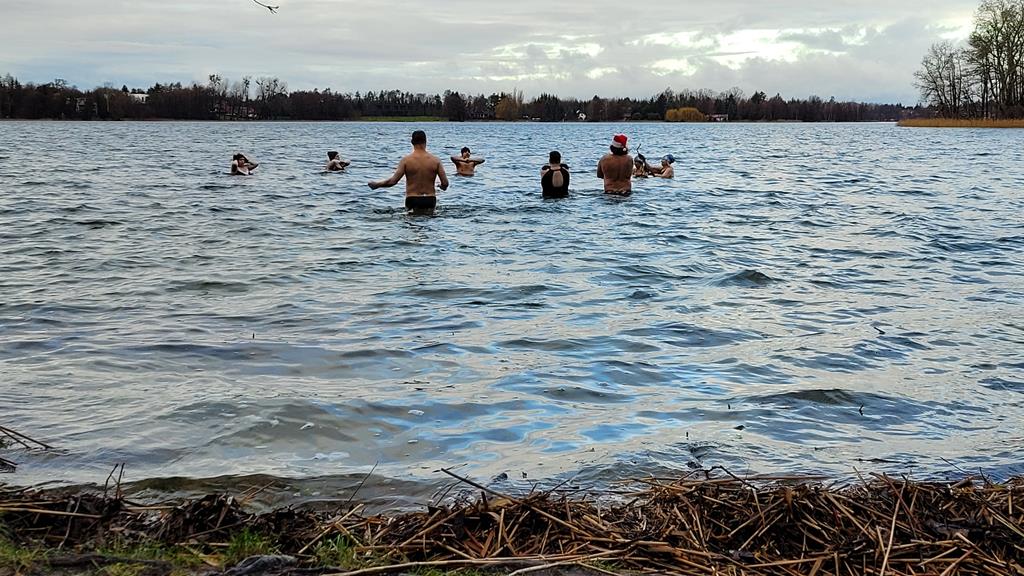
(945, 80)
(997, 53)
(270, 87)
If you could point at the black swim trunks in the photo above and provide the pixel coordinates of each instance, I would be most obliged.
(420, 202)
(618, 192)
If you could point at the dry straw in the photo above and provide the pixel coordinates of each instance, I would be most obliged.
(698, 525)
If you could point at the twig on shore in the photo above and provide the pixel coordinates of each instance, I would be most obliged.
(510, 499)
(534, 563)
(45, 512)
(254, 492)
(333, 527)
(360, 486)
(119, 470)
(892, 530)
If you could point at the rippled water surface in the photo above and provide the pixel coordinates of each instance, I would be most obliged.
(801, 298)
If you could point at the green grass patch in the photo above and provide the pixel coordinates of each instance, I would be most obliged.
(152, 551)
(20, 559)
(245, 544)
(336, 552)
(123, 570)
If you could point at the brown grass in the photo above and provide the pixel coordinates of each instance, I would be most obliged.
(960, 123)
(698, 525)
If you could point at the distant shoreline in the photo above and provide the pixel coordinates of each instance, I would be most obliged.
(960, 123)
(436, 120)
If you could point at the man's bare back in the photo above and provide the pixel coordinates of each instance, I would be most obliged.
(617, 172)
(420, 170)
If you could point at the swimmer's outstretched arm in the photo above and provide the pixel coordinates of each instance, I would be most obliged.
(442, 176)
(395, 178)
(477, 161)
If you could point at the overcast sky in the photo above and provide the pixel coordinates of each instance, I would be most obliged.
(851, 49)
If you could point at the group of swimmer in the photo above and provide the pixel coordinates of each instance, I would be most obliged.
(422, 170)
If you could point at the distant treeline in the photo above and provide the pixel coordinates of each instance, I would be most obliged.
(269, 99)
(985, 77)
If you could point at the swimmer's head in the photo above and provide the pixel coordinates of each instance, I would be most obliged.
(419, 138)
(620, 145)
(668, 160)
(332, 155)
(555, 157)
(465, 151)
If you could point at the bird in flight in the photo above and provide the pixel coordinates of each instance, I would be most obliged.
(273, 9)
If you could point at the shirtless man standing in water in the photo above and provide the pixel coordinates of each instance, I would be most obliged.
(616, 168)
(420, 169)
(465, 164)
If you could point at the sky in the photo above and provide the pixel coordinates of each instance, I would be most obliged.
(865, 50)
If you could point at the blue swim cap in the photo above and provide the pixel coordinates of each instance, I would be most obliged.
(670, 158)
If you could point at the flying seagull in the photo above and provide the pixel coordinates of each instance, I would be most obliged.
(273, 9)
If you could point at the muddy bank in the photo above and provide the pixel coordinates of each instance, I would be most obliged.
(701, 524)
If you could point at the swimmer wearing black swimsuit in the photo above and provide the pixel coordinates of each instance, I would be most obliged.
(550, 190)
(547, 178)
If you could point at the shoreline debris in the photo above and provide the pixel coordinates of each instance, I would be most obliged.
(698, 524)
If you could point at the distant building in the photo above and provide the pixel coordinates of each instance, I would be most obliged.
(226, 111)
(84, 106)
(718, 118)
(140, 98)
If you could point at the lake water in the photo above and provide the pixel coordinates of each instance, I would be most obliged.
(800, 299)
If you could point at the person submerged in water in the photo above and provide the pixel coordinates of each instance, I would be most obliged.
(640, 168)
(616, 168)
(420, 169)
(554, 177)
(241, 166)
(465, 164)
(335, 163)
(665, 170)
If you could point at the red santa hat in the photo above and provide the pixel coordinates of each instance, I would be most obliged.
(619, 141)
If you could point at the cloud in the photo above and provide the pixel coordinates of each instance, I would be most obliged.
(865, 50)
